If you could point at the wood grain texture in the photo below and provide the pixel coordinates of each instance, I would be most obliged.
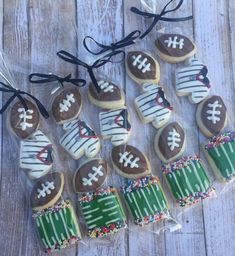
(31, 32)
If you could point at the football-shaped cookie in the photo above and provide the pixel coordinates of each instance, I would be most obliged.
(142, 67)
(47, 191)
(129, 162)
(211, 116)
(90, 175)
(170, 142)
(24, 122)
(110, 95)
(66, 105)
(175, 48)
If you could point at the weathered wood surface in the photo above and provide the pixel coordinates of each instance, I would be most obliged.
(33, 31)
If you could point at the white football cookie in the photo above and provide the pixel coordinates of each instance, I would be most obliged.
(115, 125)
(80, 139)
(152, 106)
(192, 81)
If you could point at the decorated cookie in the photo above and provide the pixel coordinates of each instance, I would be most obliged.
(57, 226)
(129, 162)
(220, 152)
(90, 175)
(211, 116)
(142, 67)
(152, 106)
(115, 125)
(110, 95)
(103, 212)
(47, 191)
(80, 139)
(192, 81)
(175, 48)
(145, 200)
(170, 142)
(188, 181)
(36, 155)
(24, 122)
(66, 105)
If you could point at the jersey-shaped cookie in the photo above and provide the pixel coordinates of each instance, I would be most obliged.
(66, 105)
(110, 95)
(115, 125)
(152, 106)
(192, 81)
(142, 67)
(170, 142)
(36, 155)
(80, 139)
(211, 116)
(175, 48)
(24, 122)
(130, 162)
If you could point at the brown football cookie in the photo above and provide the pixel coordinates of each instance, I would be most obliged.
(110, 95)
(129, 162)
(23, 122)
(211, 116)
(175, 48)
(47, 191)
(142, 67)
(90, 175)
(66, 105)
(170, 142)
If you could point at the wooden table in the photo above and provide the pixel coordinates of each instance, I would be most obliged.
(31, 32)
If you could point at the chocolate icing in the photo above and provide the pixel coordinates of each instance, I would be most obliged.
(218, 126)
(73, 110)
(163, 142)
(142, 163)
(15, 120)
(174, 52)
(85, 170)
(55, 177)
(151, 75)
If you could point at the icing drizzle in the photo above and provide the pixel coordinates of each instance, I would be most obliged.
(142, 64)
(46, 189)
(97, 171)
(173, 139)
(24, 116)
(67, 103)
(213, 112)
(174, 42)
(128, 159)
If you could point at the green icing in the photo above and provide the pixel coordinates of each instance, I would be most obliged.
(224, 158)
(102, 211)
(56, 227)
(188, 181)
(146, 201)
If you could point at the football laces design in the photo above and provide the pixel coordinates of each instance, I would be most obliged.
(173, 139)
(106, 86)
(97, 171)
(213, 112)
(46, 189)
(128, 160)
(141, 63)
(24, 116)
(175, 42)
(67, 103)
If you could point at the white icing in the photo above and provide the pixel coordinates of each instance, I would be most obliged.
(141, 63)
(112, 126)
(213, 112)
(173, 139)
(149, 109)
(106, 86)
(46, 189)
(67, 103)
(97, 171)
(187, 83)
(128, 160)
(24, 116)
(175, 42)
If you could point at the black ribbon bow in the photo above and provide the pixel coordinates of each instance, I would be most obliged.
(66, 56)
(18, 94)
(49, 78)
(158, 17)
(126, 41)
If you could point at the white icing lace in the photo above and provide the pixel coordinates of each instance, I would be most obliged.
(143, 65)
(46, 189)
(93, 176)
(106, 86)
(173, 139)
(24, 115)
(67, 103)
(174, 43)
(213, 112)
(129, 159)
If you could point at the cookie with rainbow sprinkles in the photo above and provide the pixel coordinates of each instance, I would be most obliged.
(103, 212)
(220, 152)
(187, 180)
(145, 200)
